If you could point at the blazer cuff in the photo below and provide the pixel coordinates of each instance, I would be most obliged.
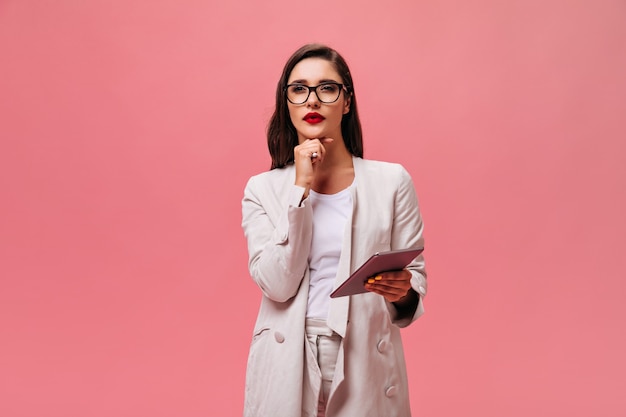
(295, 196)
(418, 283)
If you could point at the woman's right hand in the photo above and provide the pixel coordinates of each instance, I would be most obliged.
(306, 164)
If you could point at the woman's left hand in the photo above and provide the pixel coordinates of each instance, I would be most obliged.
(393, 285)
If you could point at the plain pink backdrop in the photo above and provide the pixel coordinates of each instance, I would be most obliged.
(129, 128)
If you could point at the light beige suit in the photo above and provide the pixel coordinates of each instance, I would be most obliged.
(370, 376)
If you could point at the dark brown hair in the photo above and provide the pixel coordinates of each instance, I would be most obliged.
(281, 134)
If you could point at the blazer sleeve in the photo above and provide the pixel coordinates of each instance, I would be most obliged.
(407, 232)
(279, 238)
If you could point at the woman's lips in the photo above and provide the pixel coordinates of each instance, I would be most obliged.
(313, 118)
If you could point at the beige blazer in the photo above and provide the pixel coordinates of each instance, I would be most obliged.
(370, 376)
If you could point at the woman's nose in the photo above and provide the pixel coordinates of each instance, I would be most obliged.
(313, 100)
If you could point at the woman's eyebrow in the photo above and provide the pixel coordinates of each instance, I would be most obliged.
(301, 81)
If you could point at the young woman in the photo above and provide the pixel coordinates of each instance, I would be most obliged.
(316, 216)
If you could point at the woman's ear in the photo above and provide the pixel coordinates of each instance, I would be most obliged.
(346, 106)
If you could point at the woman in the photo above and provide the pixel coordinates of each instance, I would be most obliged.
(316, 216)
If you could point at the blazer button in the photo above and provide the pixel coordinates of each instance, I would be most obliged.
(391, 391)
(382, 346)
(279, 337)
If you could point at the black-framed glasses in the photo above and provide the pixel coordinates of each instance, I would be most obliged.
(325, 92)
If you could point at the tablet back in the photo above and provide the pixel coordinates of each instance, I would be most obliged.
(379, 262)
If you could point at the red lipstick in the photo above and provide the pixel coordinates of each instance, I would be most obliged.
(313, 118)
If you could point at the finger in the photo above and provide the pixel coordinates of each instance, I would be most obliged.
(317, 154)
(389, 296)
(390, 278)
(402, 275)
(393, 281)
(307, 148)
(391, 288)
(320, 140)
(310, 147)
(303, 155)
(383, 283)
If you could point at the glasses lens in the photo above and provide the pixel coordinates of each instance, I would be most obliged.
(297, 93)
(328, 93)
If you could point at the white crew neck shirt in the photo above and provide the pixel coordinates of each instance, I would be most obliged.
(330, 213)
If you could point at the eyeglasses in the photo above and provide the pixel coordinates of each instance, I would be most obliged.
(326, 92)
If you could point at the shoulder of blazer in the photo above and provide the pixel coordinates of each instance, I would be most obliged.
(387, 172)
(272, 178)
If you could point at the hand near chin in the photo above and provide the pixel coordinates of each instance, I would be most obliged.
(393, 285)
(307, 156)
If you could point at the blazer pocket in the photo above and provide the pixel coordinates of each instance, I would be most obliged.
(260, 334)
(280, 237)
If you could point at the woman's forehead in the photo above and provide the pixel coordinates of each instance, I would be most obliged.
(314, 70)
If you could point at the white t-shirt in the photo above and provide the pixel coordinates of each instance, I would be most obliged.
(330, 212)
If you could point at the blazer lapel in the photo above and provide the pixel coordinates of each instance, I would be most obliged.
(338, 311)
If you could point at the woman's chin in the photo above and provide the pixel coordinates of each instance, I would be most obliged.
(312, 133)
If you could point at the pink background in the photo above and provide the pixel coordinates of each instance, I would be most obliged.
(128, 130)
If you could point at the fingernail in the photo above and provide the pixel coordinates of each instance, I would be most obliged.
(371, 280)
(378, 277)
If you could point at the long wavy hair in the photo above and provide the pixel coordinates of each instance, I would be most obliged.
(281, 133)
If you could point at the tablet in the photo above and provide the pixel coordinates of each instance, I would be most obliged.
(393, 260)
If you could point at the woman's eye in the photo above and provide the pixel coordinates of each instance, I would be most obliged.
(297, 89)
(329, 88)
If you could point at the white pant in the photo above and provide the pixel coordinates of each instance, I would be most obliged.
(324, 344)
